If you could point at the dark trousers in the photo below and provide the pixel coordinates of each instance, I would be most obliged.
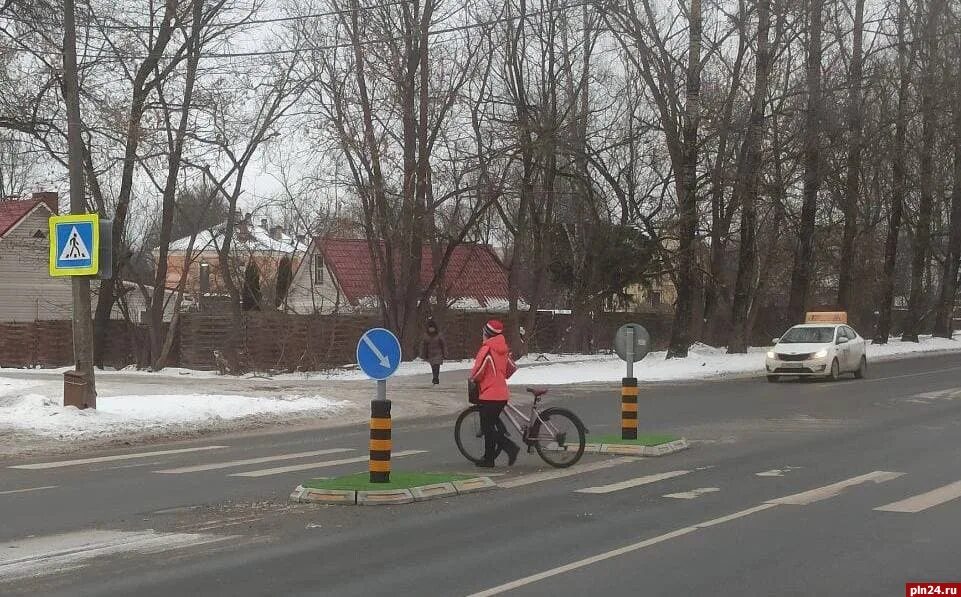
(490, 413)
(435, 369)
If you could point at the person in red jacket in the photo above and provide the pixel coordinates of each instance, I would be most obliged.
(492, 367)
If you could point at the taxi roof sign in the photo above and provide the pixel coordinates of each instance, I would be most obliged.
(826, 317)
(75, 245)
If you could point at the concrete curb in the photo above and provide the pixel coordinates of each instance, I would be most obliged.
(387, 497)
(633, 450)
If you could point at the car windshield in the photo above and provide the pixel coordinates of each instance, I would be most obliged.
(808, 336)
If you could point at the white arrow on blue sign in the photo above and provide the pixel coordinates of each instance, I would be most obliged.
(378, 353)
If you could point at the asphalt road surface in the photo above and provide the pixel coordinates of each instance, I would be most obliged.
(808, 488)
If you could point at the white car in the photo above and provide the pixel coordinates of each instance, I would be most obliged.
(817, 349)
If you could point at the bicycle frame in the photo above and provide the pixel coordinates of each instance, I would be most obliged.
(523, 422)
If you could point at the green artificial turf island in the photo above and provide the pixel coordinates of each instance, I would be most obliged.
(649, 439)
(361, 481)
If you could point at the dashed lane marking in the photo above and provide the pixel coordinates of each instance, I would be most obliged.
(62, 463)
(828, 491)
(919, 503)
(629, 483)
(314, 465)
(577, 469)
(235, 463)
(28, 489)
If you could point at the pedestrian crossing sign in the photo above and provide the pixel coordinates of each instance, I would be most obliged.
(74, 245)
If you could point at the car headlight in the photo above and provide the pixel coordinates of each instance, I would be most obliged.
(770, 354)
(821, 353)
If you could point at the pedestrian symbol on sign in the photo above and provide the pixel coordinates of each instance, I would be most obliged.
(75, 249)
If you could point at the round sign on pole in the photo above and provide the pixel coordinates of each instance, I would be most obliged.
(632, 342)
(378, 353)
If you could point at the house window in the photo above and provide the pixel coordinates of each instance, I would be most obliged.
(655, 298)
(318, 269)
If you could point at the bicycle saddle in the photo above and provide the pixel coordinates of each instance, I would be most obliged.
(538, 392)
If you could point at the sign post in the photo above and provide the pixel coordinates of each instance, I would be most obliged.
(75, 250)
(379, 355)
(631, 343)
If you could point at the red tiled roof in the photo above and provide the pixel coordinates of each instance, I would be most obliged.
(14, 210)
(473, 272)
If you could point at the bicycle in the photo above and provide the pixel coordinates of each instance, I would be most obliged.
(549, 432)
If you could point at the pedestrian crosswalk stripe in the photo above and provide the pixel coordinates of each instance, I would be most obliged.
(306, 467)
(78, 462)
(935, 497)
(632, 482)
(567, 472)
(235, 463)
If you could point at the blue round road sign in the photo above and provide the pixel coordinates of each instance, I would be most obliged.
(378, 353)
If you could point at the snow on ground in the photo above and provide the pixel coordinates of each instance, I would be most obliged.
(702, 362)
(348, 373)
(119, 415)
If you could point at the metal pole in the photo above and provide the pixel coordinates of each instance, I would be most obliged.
(630, 352)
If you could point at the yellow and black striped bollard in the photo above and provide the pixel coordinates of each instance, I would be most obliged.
(380, 444)
(629, 408)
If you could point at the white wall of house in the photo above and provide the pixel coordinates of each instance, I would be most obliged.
(313, 289)
(27, 292)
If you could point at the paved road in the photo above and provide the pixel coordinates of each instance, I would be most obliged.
(793, 489)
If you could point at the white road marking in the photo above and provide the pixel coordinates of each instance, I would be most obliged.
(63, 463)
(804, 498)
(28, 489)
(692, 494)
(234, 463)
(42, 556)
(829, 491)
(306, 467)
(617, 552)
(632, 482)
(577, 469)
(936, 497)
(777, 472)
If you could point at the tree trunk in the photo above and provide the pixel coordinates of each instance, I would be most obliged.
(897, 183)
(745, 189)
(157, 337)
(929, 123)
(852, 184)
(687, 198)
(804, 255)
(949, 278)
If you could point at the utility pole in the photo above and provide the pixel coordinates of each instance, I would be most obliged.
(82, 322)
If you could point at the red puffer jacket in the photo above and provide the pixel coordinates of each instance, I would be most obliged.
(492, 368)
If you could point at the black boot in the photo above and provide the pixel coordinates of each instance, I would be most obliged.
(512, 451)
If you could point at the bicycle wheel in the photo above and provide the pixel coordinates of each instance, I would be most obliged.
(559, 437)
(469, 435)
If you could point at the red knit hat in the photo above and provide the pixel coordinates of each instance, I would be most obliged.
(494, 328)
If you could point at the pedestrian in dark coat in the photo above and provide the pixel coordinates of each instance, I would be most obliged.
(434, 349)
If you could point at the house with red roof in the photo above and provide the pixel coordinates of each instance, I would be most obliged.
(338, 275)
(27, 292)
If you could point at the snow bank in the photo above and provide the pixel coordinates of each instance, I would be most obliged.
(702, 362)
(119, 415)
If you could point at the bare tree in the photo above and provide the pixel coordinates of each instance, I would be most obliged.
(804, 256)
(930, 44)
(745, 189)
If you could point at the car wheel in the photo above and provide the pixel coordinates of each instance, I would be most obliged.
(862, 369)
(835, 370)
(772, 378)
